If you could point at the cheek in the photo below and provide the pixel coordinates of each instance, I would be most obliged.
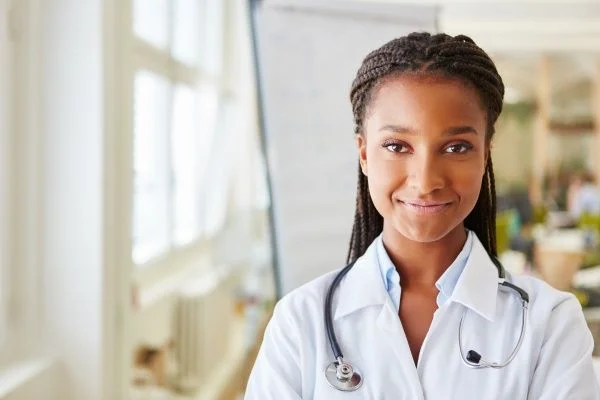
(467, 182)
(385, 175)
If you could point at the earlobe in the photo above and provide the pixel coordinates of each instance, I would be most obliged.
(363, 161)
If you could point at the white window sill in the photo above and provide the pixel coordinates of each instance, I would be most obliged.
(172, 267)
(18, 375)
(201, 276)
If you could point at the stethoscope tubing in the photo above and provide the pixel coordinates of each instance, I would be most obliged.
(485, 364)
(337, 352)
(335, 346)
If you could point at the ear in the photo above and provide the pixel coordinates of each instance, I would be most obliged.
(488, 154)
(361, 145)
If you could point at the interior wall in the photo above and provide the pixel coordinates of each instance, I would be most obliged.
(72, 125)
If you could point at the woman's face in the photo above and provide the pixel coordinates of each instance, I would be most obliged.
(424, 150)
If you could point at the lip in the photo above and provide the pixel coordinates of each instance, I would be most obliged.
(425, 207)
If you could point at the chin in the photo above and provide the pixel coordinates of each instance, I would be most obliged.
(425, 233)
(422, 237)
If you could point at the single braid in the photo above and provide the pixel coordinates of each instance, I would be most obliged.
(443, 55)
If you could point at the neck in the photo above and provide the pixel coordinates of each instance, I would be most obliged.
(422, 264)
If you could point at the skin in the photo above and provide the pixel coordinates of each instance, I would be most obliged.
(424, 150)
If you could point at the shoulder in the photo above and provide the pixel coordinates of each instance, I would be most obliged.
(543, 297)
(298, 320)
(560, 344)
(303, 308)
(307, 299)
(552, 310)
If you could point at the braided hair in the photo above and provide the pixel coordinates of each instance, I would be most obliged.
(442, 55)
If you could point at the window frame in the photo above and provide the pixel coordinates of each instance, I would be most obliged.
(20, 52)
(140, 288)
(176, 259)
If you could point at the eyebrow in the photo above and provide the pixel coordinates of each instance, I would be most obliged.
(452, 131)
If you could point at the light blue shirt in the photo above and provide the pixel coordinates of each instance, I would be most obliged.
(445, 284)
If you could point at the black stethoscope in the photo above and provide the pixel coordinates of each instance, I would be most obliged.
(343, 376)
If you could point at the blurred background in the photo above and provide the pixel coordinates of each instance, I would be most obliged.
(170, 168)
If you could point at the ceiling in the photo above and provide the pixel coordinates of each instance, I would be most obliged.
(517, 34)
(526, 26)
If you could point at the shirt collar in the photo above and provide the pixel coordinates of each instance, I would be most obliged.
(388, 271)
(474, 284)
(445, 284)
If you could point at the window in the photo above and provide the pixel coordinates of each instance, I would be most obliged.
(151, 180)
(176, 96)
(222, 161)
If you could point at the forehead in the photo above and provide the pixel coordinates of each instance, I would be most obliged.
(417, 100)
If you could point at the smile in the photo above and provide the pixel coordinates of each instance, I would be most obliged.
(425, 208)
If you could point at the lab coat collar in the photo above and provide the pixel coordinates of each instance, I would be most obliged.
(476, 288)
(362, 286)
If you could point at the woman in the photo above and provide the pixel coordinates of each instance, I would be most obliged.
(422, 246)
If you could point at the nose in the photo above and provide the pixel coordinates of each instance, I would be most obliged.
(426, 173)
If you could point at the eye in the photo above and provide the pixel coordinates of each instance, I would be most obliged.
(395, 147)
(458, 148)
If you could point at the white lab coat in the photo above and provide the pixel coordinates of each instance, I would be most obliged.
(553, 363)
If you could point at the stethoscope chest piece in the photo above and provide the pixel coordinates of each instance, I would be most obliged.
(342, 376)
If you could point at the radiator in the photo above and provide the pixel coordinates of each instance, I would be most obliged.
(203, 317)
